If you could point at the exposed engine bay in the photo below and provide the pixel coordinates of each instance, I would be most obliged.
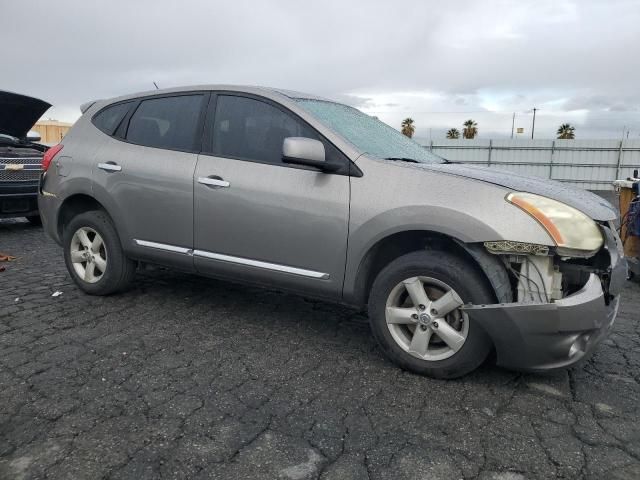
(539, 275)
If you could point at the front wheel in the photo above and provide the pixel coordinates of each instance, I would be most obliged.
(415, 314)
(93, 254)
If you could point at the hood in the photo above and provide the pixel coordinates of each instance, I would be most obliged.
(18, 113)
(588, 203)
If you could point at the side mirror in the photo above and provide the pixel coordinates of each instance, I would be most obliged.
(306, 151)
(33, 136)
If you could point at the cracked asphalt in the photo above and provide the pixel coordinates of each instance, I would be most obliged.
(187, 377)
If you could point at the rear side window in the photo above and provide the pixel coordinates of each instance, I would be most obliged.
(169, 122)
(253, 130)
(109, 118)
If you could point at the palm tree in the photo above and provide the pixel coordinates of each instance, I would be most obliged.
(408, 128)
(566, 132)
(470, 129)
(453, 133)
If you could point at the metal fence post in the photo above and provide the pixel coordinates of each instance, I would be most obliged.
(489, 156)
(619, 160)
(553, 148)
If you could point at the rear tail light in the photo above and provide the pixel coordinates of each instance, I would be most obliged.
(48, 156)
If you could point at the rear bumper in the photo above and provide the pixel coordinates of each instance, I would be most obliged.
(545, 336)
(49, 205)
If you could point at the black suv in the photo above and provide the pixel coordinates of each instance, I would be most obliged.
(20, 156)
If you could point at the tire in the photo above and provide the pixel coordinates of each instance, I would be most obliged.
(112, 271)
(34, 220)
(438, 273)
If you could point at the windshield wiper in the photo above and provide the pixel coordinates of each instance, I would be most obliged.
(403, 159)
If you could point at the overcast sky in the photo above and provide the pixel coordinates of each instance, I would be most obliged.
(437, 62)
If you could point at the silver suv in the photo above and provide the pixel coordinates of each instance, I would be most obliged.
(295, 192)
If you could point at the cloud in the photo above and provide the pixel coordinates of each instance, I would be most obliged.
(377, 55)
(616, 103)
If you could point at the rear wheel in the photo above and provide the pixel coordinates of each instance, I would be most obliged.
(93, 254)
(415, 314)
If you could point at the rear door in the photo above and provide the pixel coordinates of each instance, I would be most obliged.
(259, 219)
(146, 172)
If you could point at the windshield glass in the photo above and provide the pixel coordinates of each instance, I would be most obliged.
(367, 133)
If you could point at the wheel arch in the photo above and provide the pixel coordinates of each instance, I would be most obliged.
(396, 244)
(74, 205)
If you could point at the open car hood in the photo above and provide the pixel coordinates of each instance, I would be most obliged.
(588, 203)
(18, 113)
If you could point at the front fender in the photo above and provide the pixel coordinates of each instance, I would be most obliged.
(452, 223)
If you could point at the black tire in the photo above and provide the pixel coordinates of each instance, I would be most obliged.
(34, 220)
(462, 277)
(119, 271)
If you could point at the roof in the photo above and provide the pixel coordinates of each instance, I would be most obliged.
(267, 91)
(294, 94)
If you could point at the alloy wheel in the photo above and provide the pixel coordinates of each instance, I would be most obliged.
(424, 318)
(88, 254)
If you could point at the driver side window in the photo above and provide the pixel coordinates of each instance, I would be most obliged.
(249, 129)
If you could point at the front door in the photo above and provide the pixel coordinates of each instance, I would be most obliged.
(259, 219)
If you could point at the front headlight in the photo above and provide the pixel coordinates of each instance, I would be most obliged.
(571, 230)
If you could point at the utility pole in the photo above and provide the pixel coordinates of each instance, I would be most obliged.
(533, 126)
(513, 122)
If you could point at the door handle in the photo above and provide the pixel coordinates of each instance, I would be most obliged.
(214, 182)
(109, 167)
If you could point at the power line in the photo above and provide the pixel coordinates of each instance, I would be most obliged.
(426, 111)
(498, 112)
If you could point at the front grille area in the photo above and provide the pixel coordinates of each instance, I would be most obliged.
(31, 160)
(19, 175)
(30, 171)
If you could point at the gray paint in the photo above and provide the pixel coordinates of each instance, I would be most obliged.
(305, 148)
(540, 336)
(281, 215)
(291, 228)
(590, 204)
(295, 217)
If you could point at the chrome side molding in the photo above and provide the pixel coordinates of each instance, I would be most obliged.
(259, 264)
(164, 246)
(276, 267)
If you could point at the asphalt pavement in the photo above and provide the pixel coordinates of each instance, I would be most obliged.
(188, 377)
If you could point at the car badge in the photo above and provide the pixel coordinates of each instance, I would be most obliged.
(14, 167)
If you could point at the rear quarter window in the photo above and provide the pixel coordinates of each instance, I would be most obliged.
(109, 118)
(166, 122)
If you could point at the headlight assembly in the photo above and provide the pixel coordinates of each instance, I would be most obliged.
(574, 233)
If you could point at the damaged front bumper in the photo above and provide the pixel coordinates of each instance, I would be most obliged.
(544, 336)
